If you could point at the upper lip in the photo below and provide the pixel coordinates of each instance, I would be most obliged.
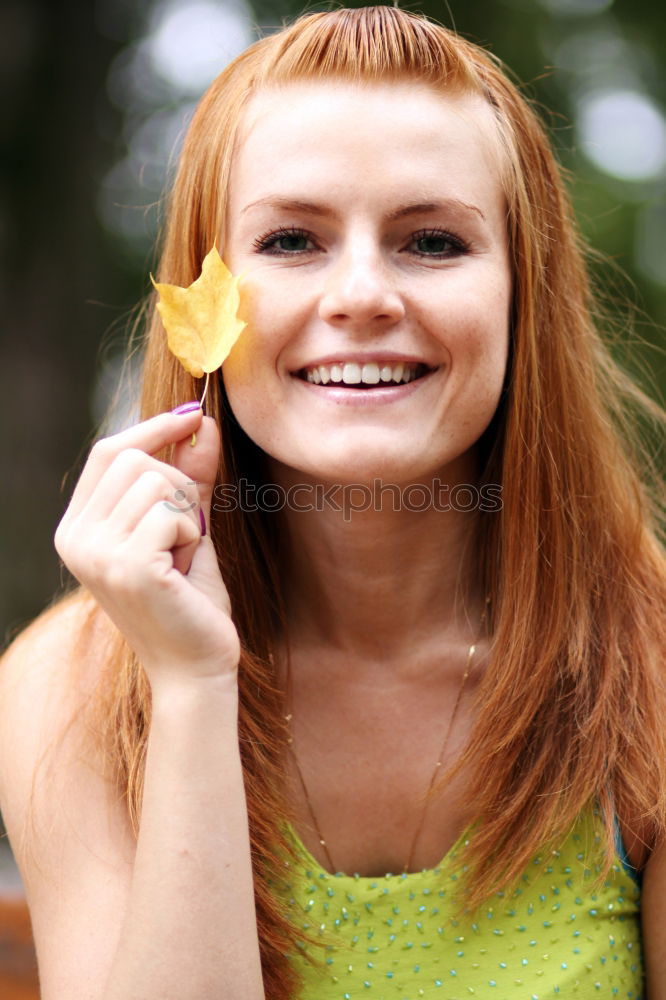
(366, 357)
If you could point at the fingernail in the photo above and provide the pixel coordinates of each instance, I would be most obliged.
(202, 522)
(187, 407)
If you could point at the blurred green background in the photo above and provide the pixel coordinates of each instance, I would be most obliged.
(95, 98)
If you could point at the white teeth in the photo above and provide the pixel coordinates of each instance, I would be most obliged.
(351, 374)
(370, 373)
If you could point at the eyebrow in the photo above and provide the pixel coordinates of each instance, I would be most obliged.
(323, 211)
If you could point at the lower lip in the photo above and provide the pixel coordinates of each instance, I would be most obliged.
(366, 397)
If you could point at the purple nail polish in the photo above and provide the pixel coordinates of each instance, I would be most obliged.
(187, 407)
(202, 522)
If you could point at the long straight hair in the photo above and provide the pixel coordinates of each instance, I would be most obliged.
(572, 706)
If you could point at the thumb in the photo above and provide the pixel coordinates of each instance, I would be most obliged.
(199, 462)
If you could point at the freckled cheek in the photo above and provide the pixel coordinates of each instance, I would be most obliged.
(477, 348)
(254, 355)
(475, 345)
(477, 376)
(479, 327)
(250, 393)
(254, 388)
(270, 326)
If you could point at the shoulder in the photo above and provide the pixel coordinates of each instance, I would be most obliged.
(59, 654)
(37, 669)
(46, 678)
(66, 820)
(48, 646)
(45, 674)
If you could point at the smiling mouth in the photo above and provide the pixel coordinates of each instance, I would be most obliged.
(371, 375)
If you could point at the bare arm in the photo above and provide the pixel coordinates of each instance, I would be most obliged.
(172, 915)
(190, 927)
(653, 913)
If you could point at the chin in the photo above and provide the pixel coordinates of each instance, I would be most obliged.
(364, 467)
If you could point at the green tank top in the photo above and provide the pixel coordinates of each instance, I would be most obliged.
(398, 937)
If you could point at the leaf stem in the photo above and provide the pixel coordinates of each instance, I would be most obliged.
(201, 404)
(205, 390)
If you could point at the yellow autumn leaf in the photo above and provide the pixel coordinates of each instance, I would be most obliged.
(201, 321)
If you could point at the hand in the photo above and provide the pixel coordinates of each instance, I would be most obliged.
(132, 536)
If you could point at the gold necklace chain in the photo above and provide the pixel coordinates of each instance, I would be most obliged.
(290, 741)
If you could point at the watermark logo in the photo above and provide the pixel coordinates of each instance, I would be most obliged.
(354, 498)
(181, 503)
(346, 499)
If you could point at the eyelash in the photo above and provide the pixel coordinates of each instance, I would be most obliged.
(266, 243)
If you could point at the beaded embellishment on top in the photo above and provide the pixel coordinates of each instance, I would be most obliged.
(399, 937)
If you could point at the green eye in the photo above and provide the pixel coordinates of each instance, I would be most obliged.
(284, 242)
(291, 241)
(433, 244)
(437, 243)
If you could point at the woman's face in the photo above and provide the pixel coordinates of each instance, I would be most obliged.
(371, 226)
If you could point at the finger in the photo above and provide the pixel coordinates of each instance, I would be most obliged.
(183, 555)
(150, 488)
(163, 540)
(201, 463)
(125, 470)
(150, 436)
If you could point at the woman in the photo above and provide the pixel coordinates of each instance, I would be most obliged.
(216, 752)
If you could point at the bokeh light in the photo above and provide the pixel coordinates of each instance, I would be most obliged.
(191, 42)
(155, 81)
(623, 133)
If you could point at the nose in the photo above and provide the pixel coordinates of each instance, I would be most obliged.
(359, 290)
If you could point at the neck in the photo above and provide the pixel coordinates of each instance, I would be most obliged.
(370, 586)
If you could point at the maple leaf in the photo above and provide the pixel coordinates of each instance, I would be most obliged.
(201, 321)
